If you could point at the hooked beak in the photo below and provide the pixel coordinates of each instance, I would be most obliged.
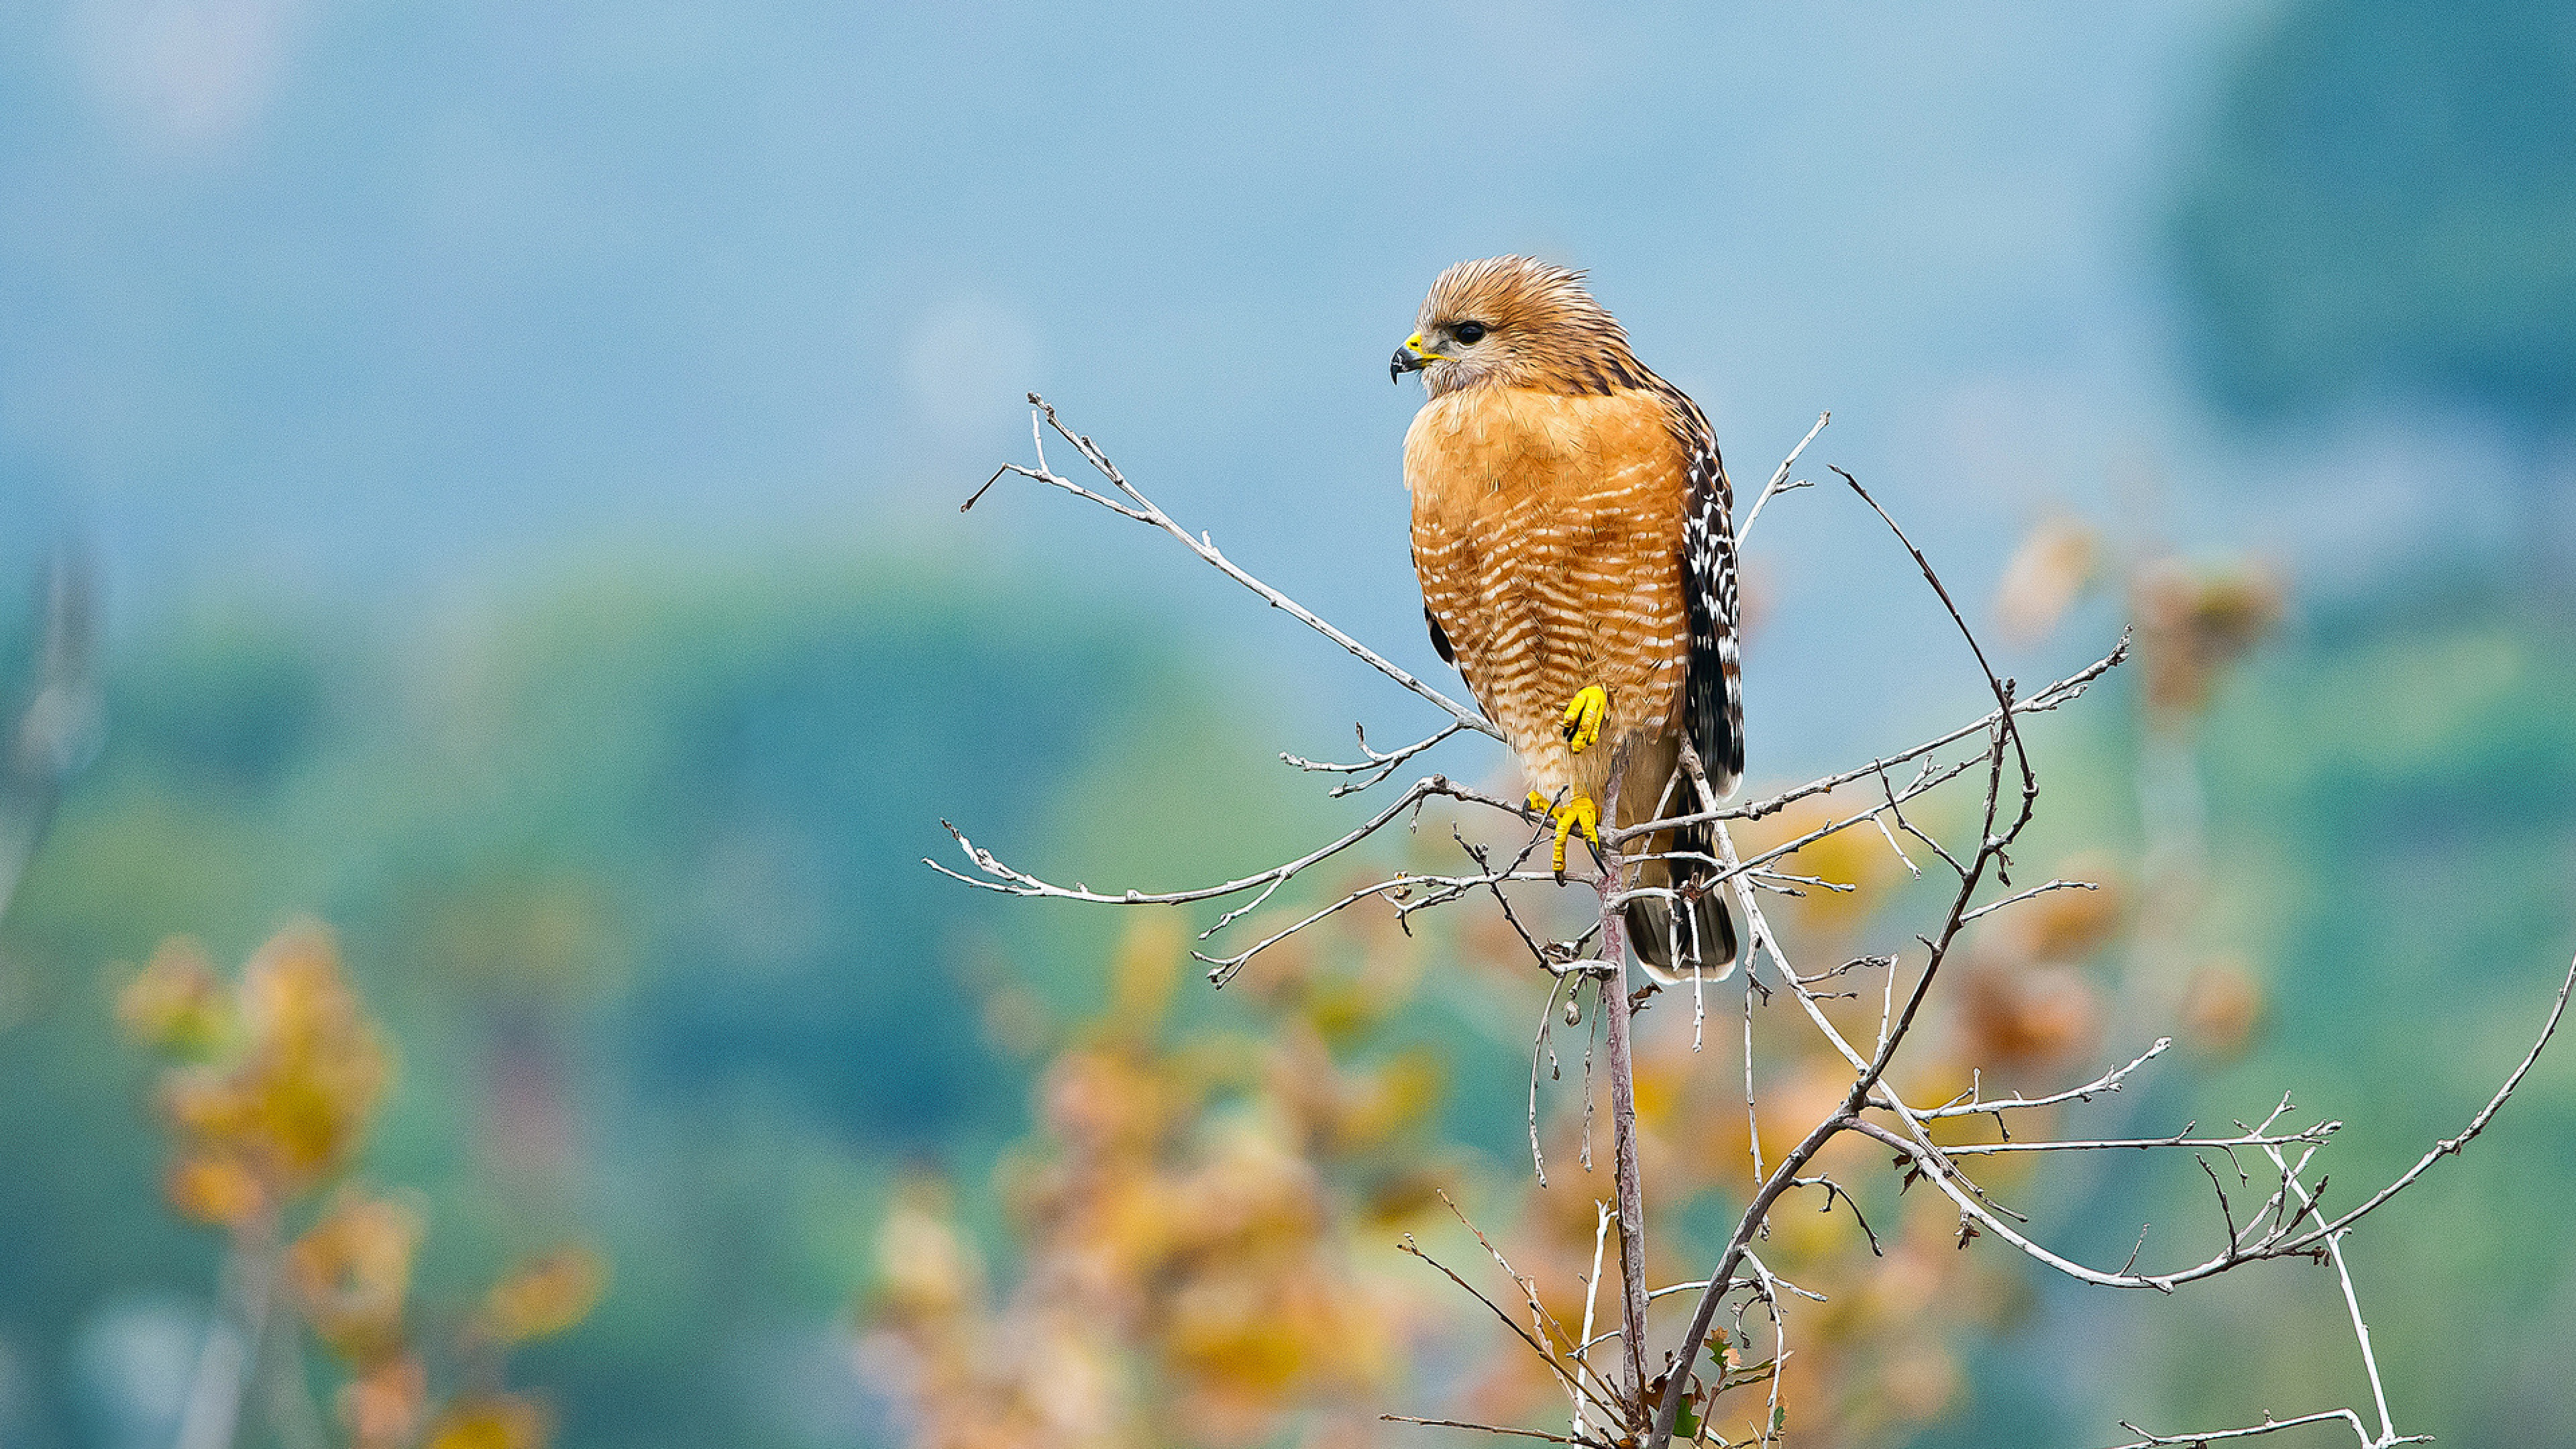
(1410, 358)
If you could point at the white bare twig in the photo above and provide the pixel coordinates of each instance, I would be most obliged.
(2318, 1133)
(2107, 1082)
(2352, 1304)
(2063, 692)
(1780, 479)
(1591, 1295)
(1377, 766)
(1144, 510)
(1990, 907)
(2269, 1425)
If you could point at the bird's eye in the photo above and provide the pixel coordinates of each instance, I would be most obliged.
(1470, 333)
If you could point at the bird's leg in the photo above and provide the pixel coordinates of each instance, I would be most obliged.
(1578, 813)
(1583, 717)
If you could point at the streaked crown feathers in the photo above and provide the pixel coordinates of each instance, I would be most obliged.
(1542, 329)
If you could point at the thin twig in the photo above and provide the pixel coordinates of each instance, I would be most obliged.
(1591, 1295)
(1144, 510)
(2269, 1425)
(1780, 479)
(2063, 692)
(1377, 766)
(1482, 1428)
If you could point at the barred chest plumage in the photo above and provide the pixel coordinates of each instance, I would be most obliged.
(1547, 532)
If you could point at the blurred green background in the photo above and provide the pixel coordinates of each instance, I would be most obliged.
(517, 447)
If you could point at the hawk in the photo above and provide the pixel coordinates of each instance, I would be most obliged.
(1574, 535)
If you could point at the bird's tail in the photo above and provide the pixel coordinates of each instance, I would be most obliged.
(1701, 940)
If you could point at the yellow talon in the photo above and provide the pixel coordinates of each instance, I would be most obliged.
(1578, 813)
(1583, 717)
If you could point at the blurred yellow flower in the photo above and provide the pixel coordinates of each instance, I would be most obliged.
(925, 1268)
(545, 1296)
(216, 1190)
(1184, 1273)
(2221, 1006)
(318, 1067)
(382, 1407)
(177, 1004)
(492, 1421)
(351, 1272)
(291, 1100)
(283, 1073)
(2193, 623)
(2048, 573)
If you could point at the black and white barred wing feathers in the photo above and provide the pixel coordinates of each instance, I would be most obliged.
(1713, 679)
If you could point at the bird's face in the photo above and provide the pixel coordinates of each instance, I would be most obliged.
(1451, 352)
(1514, 322)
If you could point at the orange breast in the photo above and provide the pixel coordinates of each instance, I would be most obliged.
(1547, 534)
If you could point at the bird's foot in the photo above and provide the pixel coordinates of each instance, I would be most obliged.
(1583, 717)
(1576, 814)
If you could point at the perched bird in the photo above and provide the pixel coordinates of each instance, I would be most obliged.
(1573, 531)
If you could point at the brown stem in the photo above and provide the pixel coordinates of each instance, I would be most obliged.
(1623, 1114)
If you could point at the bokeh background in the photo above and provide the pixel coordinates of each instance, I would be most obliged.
(517, 449)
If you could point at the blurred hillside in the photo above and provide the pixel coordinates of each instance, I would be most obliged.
(634, 876)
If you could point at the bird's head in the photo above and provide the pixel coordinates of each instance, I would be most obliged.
(1515, 322)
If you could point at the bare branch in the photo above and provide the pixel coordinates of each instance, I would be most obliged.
(2351, 1302)
(1144, 510)
(1991, 846)
(1780, 479)
(1377, 766)
(2269, 1425)
(2289, 1220)
(2002, 687)
(1543, 1324)
(2107, 1082)
(1991, 907)
(2063, 692)
(1630, 1186)
(1591, 1296)
(1554, 1364)
(2318, 1133)
(1009, 881)
(1482, 1428)
(2450, 1146)
(58, 732)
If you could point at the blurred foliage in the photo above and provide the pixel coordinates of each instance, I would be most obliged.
(1200, 1231)
(268, 1093)
(2383, 201)
(1203, 1226)
(277, 1079)
(631, 877)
